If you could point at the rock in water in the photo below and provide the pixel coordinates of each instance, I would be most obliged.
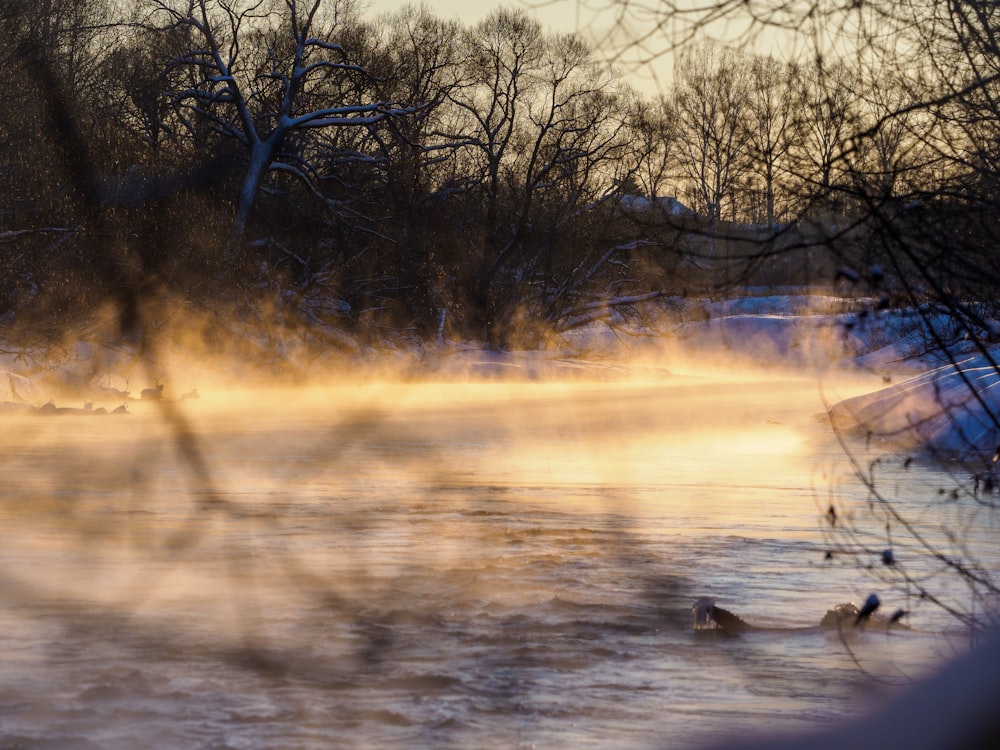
(708, 616)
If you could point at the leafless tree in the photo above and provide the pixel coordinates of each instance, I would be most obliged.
(769, 117)
(502, 51)
(826, 118)
(416, 60)
(260, 104)
(711, 91)
(653, 129)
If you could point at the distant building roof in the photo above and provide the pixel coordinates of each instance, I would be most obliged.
(666, 204)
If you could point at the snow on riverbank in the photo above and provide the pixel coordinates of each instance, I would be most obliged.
(950, 412)
(937, 403)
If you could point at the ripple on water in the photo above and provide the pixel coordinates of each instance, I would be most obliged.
(443, 580)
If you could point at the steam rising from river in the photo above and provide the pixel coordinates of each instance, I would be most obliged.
(179, 486)
(418, 537)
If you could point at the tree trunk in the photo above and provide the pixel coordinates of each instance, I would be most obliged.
(261, 156)
(770, 195)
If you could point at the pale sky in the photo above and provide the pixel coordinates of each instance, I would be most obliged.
(554, 15)
(596, 26)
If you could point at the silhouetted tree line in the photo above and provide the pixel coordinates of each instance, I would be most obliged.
(409, 174)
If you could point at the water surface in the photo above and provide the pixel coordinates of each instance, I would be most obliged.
(459, 564)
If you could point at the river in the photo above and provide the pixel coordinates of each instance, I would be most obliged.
(437, 565)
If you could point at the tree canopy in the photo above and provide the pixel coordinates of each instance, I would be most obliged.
(409, 170)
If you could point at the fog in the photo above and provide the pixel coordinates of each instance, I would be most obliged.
(503, 549)
(438, 544)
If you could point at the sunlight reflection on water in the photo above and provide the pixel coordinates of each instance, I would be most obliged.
(428, 564)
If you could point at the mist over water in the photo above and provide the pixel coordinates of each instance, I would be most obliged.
(440, 564)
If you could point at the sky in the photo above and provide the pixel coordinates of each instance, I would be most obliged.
(597, 20)
(555, 16)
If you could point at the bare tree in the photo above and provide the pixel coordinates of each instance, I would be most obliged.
(825, 121)
(769, 116)
(570, 124)
(416, 61)
(577, 156)
(260, 106)
(502, 51)
(889, 155)
(710, 95)
(653, 134)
